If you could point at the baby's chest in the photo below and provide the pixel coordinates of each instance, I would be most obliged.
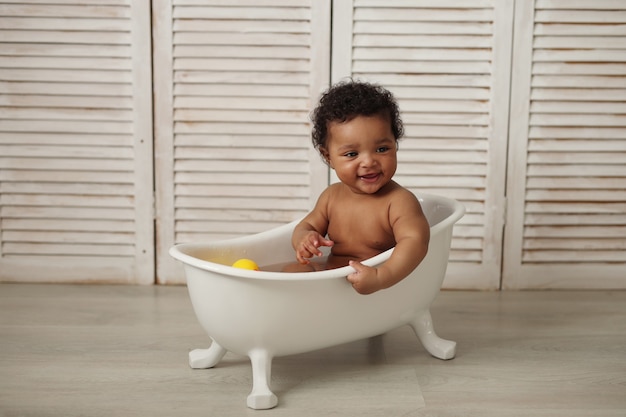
(369, 229)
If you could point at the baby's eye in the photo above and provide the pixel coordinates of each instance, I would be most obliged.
(350, 154)
(382, 149)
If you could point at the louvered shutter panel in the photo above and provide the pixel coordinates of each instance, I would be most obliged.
(235, 82)
(447, 63)
(567, 205)
(75, 142)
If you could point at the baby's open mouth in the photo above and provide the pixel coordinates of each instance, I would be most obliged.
(370, 177)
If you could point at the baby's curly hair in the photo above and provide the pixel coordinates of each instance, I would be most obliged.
(348, 99)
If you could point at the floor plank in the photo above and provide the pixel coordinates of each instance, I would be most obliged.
(72, 350)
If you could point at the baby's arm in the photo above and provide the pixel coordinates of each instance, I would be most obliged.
(412, 234)
(308, 235)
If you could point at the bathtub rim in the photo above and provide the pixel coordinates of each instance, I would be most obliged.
(176, 251)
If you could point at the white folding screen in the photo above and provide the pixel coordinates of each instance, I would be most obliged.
(566, 225)
(448, 64)
(76, 142)
(234, 84)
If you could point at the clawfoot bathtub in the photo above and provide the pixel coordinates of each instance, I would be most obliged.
(264, 314)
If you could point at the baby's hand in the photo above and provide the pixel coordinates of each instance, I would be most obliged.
(309, 246)
(365, 280)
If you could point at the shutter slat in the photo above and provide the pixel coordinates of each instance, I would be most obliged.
(68, 200)
(69, 237)
(568, 183)
(563, 68)
(571, 257)
(251, 178)
(69, 10)
(234, 190)
(183, 90)
(218, 215)
(50, 25)
(58, 86)
(86, 176)
(235, 203)
(236, 51)
(574, 145)
(241, 13)
(575, 231)
(580, 4)
(589, 244)
(454, 4)
(250, 116)
(63, 225)
(584, 207)
(571, 15)
(577, 42)
(253, 153)
(613, 94)
(67, 188)
(578, 157)
(92, 38)
(241, 3)
(470, 14)
(555, 81)
(577, 107)
(64, 249)
(398, 55)
(244, 128)
(424, 41)
(51, 212)
(575, 196)
(201, 167)
(246, 76)
(581, 219)
(47, 75)
(70, 102)
(424, 28)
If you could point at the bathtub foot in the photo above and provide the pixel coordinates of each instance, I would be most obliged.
(436, 346)
(261, 397)
(206, 358)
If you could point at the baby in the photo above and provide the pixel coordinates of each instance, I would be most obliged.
(356, 128)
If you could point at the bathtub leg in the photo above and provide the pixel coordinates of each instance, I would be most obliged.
(436, 346)
(206, 358)
(261, 397)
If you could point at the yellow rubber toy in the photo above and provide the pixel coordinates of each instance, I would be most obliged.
(246, 264)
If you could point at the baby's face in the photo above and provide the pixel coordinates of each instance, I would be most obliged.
(362, 151)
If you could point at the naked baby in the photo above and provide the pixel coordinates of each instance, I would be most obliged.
(356, 128)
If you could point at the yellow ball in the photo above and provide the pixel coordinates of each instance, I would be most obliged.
(246, 264)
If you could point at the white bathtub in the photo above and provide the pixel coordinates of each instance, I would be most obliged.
(264, 314)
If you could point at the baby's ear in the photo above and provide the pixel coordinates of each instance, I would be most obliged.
(326, 156)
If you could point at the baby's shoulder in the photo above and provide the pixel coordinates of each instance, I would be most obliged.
(402, 200)
(398, 192)
(331, 191)
(328, 197)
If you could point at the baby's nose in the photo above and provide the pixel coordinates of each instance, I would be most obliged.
(367, 159)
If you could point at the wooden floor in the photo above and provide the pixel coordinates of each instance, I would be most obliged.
(122, 351)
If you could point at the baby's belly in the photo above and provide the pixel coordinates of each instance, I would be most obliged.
(344, 253)
(338, 261)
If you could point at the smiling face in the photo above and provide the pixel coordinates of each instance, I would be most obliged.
(362, 151)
